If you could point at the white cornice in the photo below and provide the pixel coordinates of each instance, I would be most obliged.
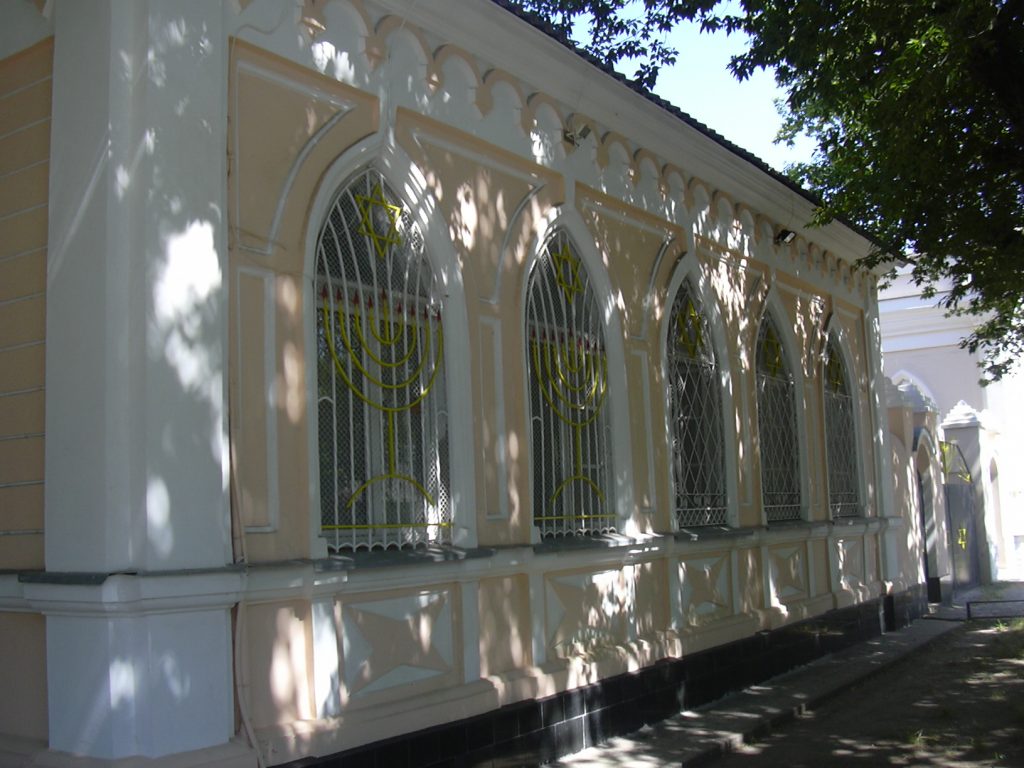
(126, 594)
(516, 47)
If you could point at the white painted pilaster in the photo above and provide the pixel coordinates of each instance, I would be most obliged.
(136, 453)
(138, 665)
(136, 459)
(885, 498)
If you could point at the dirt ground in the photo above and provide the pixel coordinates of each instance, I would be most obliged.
(959, 702)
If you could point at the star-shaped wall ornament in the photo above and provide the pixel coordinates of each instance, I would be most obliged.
(691, 330)
(396, 642)
(591, 614)
(366, 226)
(772, 352)
(834, 372)
(567, 272)
(788, 573)
(704, 579)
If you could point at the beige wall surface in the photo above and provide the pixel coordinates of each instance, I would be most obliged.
(23, 676)
(24, 166)
(324, 651)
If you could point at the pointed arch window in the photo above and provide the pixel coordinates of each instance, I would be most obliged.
(777, 425)
(568, 387)
(382, 415)
(695, 401)
(840, 437)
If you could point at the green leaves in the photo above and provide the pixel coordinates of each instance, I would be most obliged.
(917, 108)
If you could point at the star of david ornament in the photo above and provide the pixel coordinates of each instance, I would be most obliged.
(691, 333)
(772, 352)
(366, 226)
(835, 374)
(567, 272)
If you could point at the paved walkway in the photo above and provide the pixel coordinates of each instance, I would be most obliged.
(699, 737)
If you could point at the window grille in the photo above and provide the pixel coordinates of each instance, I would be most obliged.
(776, 422)
(698, 459)
(382, 417)
(568, 374)
(840, 438)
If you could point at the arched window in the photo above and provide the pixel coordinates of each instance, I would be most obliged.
(840, 437)
(698, 460)
(776, 423)
(568, 375)
(381, 406)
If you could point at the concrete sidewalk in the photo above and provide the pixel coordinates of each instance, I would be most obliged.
(698, 737)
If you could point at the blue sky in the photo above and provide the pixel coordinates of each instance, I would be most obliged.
(701, 85)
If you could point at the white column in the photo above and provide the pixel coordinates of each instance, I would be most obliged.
(885, 497)
(136, 458)
(138, 665)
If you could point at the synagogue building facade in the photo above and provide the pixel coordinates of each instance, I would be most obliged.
(384, 378)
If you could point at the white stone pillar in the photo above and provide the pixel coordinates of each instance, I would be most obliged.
(885, 498)
(139, 662)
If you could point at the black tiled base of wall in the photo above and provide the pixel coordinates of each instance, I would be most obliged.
(539, 730)
(905, 607)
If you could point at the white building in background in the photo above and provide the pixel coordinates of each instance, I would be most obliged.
(921, 346)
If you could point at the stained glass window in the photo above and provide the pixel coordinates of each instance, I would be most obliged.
(382, 416)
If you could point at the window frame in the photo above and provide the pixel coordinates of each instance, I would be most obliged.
(611, 487)
(337, 181)
(690, 286)
(835, 341)
(798, 510)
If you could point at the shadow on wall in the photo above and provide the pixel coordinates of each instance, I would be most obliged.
(162, 328)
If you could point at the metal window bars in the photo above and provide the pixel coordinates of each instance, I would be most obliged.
(776, 423)
(698, 458)
(840, 438)
(568, 387)
(382, 419)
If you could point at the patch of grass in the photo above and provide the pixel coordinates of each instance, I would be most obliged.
(918, 739)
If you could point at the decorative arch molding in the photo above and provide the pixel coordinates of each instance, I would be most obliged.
(772, 304)
(566, 219)
(673, 182)
(925, 442)
(903, 376)
(673, 248)
(385, 33)
(495, 78)
(411, 185)
(547, 128)
(688, 269)
(461, 58)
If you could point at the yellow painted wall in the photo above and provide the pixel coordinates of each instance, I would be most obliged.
(25, 94)
(23, 676)
(588, 615)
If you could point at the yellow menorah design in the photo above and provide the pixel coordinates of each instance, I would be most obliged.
(403, 341)
(572, 376)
